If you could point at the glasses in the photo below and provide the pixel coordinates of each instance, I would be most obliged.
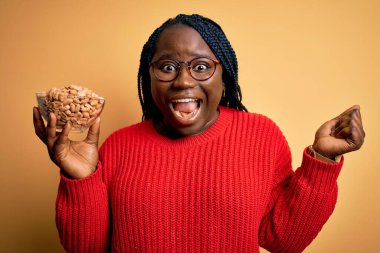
(201, 68)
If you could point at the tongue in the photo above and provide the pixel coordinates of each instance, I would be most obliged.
(185, 106)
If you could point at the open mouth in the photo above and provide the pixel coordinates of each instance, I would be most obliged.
(186, 108)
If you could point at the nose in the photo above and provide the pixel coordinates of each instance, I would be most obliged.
(184, 80)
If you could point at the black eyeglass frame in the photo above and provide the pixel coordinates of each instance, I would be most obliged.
(188, 63)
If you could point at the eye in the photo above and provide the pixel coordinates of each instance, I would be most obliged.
(200, 67)
(168, 67)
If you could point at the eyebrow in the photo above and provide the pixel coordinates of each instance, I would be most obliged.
(172, 56)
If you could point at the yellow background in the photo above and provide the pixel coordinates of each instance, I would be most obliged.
(301, 63)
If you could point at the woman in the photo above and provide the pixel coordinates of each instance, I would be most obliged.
(199, 173)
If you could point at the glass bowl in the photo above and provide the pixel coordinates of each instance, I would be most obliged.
(75, 104)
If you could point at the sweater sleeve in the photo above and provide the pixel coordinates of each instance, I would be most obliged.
(82, 213)
(300, 203)
(82, 208)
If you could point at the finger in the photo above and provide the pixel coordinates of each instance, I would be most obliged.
(93, 132)
(352, 114)
(343, 123)
(353, 119)
(339, 126)
(352, 136)
(357, 134)
(349, 110)
(344, 132)
(358, 118)
(39, 125)
(51, 130)
(64, 135)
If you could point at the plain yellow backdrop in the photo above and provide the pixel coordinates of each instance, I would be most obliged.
(301, 63)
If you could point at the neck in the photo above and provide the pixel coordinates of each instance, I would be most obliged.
(166, 130)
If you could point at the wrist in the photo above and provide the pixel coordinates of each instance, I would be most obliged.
(322, 157)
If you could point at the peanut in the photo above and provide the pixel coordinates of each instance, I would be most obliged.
(74, 104)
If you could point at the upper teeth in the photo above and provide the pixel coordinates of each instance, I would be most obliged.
(184, 100)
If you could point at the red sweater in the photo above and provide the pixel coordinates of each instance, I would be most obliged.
(228, 189)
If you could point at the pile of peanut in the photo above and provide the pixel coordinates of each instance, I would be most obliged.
(74, 104)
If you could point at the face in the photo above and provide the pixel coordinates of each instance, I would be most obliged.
(188, 106)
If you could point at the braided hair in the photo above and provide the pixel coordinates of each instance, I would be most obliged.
(215, 38)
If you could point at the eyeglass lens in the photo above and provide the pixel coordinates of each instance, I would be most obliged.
(199, 68)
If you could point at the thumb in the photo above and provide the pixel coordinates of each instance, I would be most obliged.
(93, 132)
(327, 128)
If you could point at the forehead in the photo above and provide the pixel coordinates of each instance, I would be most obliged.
(183, 42)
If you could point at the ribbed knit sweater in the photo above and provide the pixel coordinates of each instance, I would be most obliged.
(228, 189)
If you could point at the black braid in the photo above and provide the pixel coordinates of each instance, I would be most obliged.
(215, 38)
